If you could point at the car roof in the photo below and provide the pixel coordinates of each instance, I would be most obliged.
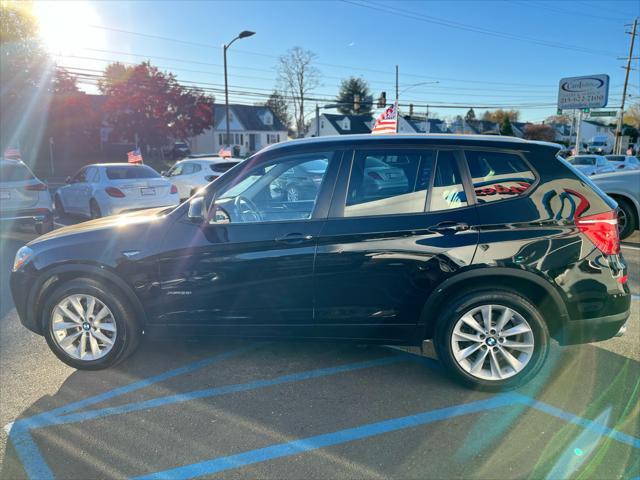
(212, 159)
(119, 164)
(490, 140)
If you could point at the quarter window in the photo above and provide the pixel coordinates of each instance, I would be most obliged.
(388, 183)
(498, 175)
(448, 191)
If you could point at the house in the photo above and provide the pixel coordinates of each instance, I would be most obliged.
(566, 133)
(336, 124)
(251, 128)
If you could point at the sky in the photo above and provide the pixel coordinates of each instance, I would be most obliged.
(508, 54)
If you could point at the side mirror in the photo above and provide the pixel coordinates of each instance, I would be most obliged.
(67, 180)
(196, 210)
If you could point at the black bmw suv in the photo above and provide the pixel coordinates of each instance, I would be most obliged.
(488, 246)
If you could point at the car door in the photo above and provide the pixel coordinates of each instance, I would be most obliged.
(85, 190)
(70, 194)
(248, 269)
(400, 223)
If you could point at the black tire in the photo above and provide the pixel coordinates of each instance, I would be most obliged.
(128, 329)
(463, 303)
(94, 209)
(45, 227)
(59, 208)
(627, 217)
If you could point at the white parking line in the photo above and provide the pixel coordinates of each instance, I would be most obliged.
(7, 427)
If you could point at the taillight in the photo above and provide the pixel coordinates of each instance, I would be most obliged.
(375, 175)
(174, 190)
(602, 230)
(38, 187)
(114, 192)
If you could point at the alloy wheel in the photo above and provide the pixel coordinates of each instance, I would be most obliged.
(492, 342)
(622, 220)
(84, 327)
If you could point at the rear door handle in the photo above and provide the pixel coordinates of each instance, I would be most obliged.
(293, 238)
(449, 227)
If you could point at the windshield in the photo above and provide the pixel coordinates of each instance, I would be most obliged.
(130, 172)
(582, 160)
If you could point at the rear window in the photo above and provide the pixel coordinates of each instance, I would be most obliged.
(126, 172)
(223, 167)
(615, 158)
(14, 173)
(582, 161)
(498, 175)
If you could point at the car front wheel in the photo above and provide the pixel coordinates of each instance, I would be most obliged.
(492, 340)
(88, 325)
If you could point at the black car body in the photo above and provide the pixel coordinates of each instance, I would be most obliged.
(351, 264)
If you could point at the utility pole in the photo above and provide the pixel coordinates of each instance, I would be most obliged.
(578, 125)
(618, 140)
(317, 120)
(397, 90)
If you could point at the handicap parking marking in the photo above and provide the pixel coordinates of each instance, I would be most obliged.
(295, 447)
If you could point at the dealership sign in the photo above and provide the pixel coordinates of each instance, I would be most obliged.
(583, 92)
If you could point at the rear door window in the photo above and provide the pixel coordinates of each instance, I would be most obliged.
(389, 182)
(498, 175)
(448, 190)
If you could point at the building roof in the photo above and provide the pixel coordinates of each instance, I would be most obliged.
(249, 117)
(359, 123)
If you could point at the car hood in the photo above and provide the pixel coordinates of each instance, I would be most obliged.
(118, 223)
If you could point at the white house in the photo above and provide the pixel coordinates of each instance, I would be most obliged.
(335, 124)
(251, 128)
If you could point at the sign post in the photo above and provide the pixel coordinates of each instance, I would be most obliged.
(583, 94)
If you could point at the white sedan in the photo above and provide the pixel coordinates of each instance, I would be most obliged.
(111, 188)
(624, 162)
(591, 164)
(193, 173)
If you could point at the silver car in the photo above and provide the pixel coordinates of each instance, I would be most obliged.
(591, 164)
(623, 162)
(111, 188)
(624, 188)
(24, 199)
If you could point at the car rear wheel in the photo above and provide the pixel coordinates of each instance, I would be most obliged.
(626, 218)
(94, 209)
(58, 206)
(492, 340)
(89, 325)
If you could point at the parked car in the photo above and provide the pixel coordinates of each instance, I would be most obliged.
(193, 173)
(623, 162)
(491, 282)
(104, 189)
(179, 150)
(600, 144)
(624, 188)
(24, 199)
(591, 164)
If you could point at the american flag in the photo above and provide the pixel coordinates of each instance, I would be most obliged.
(223, 153)
(388, 121)
(134, 156)
(12, 153)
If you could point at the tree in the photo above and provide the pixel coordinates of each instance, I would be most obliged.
(563, 119)
(470, 116)
(499, 115)
(352, 97)
(539, 132)
(632, 116)
(505, 127)
(298, 77)
(280, 108)
(150, 107)
(25, 71)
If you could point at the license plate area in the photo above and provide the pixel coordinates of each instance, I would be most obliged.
(147, 191)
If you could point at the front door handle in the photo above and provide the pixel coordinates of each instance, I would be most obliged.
(449, 227)
(294, 238)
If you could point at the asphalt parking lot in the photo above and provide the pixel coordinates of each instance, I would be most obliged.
(243, 409)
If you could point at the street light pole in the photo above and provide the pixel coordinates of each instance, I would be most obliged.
(243, 34)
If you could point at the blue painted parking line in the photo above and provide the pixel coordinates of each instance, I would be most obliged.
(217, 391)
(295, 447)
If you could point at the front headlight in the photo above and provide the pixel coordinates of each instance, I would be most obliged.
(22, 256)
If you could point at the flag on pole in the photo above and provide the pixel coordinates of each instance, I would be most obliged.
(134, 156)
(387, 122)
(224, 153)
(11, 153)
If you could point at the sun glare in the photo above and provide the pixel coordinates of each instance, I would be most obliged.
(65, 26)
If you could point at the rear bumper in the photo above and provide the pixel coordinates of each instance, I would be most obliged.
(593, 329)
(32, 216)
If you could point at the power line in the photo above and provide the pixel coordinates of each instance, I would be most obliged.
(460, 26)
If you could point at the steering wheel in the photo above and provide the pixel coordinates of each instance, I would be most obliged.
(248, 209)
